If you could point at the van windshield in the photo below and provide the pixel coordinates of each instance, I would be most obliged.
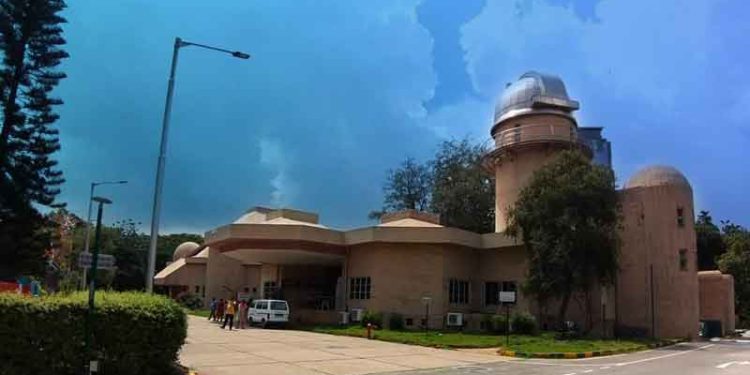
(278, 305)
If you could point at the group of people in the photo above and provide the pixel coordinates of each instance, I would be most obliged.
(224, 312)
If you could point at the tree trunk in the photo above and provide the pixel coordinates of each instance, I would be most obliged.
(563, 307)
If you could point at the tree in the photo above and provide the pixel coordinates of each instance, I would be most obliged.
(567, 217)
(31, 41)
(406, 188)
(736, 261)
(709, 241)
(463, 193)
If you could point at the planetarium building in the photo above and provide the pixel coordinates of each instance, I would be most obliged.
(446, 277)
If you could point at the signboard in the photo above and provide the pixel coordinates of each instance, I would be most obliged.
(105, 261)
(507, 297)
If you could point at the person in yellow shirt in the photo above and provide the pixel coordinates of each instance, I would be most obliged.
(229, 314)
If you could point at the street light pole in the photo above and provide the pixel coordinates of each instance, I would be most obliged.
(156, 210)
(87, 240)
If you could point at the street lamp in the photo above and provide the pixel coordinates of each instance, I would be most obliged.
(92, 287)
(178, 43)
(88, 220)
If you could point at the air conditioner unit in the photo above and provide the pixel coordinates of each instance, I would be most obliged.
(344, 318)
(356, 315)
(455, 319)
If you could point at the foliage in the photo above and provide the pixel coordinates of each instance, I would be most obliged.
(453, 185)
(191, 301)
(396, 322)
(408, 187)
(567, 217)
(463, 193)
(499, 324)
(710, 243)
(372, 317)
(31, 42)
(523, 324)
(736, 261)
(134, 333)
(543, 343)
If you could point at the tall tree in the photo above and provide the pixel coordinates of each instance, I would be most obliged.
(567, 217)
(736, 261)
(463, 193)
(406, 188)
(709, 241)
(31, 42)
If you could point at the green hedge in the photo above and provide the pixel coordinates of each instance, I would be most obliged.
(134, 333)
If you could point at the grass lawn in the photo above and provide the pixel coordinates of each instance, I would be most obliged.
(200, 312)
(542, 343)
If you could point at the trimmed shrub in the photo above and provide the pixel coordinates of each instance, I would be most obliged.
(375, 318)
(396, 322)
(523, 324)
(191, 301)
(499, 324)
(133, 333)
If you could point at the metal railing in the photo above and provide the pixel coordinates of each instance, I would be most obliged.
(535, 133)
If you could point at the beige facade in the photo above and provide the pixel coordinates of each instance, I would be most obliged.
(716, 302)
(411, 265)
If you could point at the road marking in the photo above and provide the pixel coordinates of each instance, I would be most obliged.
(587, 371)
(570, 373)
(664, 356)
(603, 368)
(725, 365)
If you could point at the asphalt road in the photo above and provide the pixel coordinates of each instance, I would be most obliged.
(728, 357)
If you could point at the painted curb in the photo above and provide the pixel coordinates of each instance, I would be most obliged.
(576, 355)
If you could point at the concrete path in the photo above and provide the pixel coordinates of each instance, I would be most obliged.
(212, 351)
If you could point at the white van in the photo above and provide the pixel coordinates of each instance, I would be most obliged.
(268, 311)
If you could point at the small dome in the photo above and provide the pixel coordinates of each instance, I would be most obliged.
(658, 175)
(533, 91)
(184, 250)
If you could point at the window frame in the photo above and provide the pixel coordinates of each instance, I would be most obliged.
(459, 292)
(360, 288)
(683, 260)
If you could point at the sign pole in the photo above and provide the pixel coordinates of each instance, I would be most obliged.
(91, 365)
(507, 322)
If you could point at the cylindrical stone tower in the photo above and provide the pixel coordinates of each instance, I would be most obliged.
(533, 121)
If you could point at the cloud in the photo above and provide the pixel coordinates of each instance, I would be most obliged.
(274, 158)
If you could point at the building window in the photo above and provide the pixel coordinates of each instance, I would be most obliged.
(492, 289)
(683, 260)
(197, 289)
(269, 289)
(409, 322)
(360, 287)
(458, 291)
(680, 217)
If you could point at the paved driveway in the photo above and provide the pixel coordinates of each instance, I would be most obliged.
(212, 351)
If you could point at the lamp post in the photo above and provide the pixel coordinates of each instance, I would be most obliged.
(178, 43)
(92, 285)
(87, 240)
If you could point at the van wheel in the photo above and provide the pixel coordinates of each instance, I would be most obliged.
(263, 323)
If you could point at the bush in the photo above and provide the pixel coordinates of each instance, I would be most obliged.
(523, 324)
(191, 301)
(133, 333)
(396, 322)
(499, 324)
(372, 317)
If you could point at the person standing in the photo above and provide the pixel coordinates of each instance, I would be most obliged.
(243, 315)
(220, 310)
(229, 314)
(212, 306)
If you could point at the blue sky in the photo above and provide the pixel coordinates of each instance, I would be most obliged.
(337, 92)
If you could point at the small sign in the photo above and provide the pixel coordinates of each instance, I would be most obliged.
(507, 297)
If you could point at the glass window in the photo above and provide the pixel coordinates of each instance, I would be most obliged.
(680, 217)
(683, 260)
(278, 305)
(458, 291)
(491, 289)
(270, 289)
(509, 286)
(261, 305)
(360, 287)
